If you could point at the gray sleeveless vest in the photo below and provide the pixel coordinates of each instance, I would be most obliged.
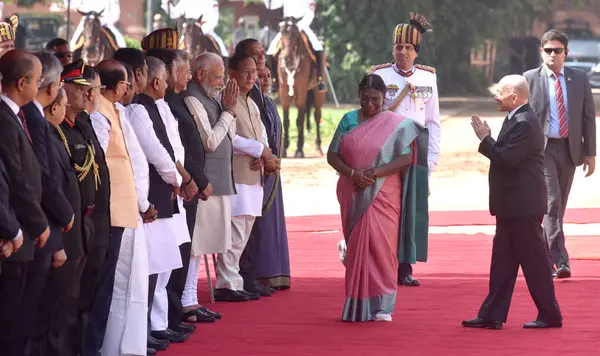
(217, 166)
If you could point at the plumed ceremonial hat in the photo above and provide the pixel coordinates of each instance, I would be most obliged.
(73, 73)
(412, 32)
(8, 31)
(164, 38)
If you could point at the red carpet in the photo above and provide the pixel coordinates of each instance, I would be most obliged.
(306, 319)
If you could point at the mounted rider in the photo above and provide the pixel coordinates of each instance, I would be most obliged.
(304, 11)
(193, 10)
(110, 13)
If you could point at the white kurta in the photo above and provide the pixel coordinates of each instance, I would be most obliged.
(163, 249)
(181, 229)
(126, 332)
(421, 104)
(212, 231)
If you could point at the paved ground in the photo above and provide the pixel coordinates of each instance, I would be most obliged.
(460, 180)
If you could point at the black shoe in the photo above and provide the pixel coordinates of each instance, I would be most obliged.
(184, 328)
(201, 316)
(251, 296)
(172, 336)
(214, 314)
(563, 272)
(539, 324)
(257, 288)
(150, 351)
(408, 281)
(228, 295)
(482, 324)
(157, 344)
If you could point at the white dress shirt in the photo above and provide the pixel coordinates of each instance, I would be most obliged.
(101, 127)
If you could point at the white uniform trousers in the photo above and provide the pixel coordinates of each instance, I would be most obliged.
(190, 292)
(228, 263)
(118, 36)
(126, 331)
(312, 38)
(159, 317)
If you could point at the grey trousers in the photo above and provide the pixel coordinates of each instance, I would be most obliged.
(559, 170)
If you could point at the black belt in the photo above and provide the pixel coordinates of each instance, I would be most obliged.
(558, 140)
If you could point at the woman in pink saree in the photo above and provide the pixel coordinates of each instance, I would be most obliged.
(381, 159)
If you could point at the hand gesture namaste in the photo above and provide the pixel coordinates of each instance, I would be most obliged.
(482, 130)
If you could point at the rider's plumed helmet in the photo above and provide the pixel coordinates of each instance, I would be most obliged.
(164, 38)
(412, 32)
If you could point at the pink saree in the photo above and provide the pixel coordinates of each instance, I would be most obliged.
(371, 218)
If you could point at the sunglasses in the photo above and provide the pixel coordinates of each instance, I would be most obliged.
(555, 50)
(64, 54)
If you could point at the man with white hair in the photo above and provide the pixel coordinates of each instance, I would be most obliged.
(212, 231)
(518, 199)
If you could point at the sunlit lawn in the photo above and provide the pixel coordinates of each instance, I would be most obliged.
(329, 120)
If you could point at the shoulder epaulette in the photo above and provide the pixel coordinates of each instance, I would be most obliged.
(427, 68)
(380, 66)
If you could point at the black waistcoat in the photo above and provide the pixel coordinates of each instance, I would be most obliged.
(160, 193)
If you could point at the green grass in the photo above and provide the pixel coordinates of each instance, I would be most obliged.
(329, 120)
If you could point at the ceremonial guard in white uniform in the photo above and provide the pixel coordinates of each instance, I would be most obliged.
(193, 9)
(111, 12)
(412, 92)
(304, 10)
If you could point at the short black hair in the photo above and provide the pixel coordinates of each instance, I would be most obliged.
(372, 81)
(110, 77)
(555, 35)
(131, 56)
(234, 62)
(89, 73)
(16, 64)
(243, 47)
(55, 42)
(167, 56)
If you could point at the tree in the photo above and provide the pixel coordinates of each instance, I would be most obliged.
(358, 34)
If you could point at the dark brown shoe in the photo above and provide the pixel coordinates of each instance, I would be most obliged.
(482, 324)
(539, 324)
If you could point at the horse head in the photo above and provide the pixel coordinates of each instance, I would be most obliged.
(290, 40)
(289, 27)
(91, 33)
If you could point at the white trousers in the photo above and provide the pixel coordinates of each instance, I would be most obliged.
(159, 317)
(312, 38)
(79, 30)
(228, 263)
(190, 292)
(126, 331)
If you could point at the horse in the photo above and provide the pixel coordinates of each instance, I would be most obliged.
(297, 76)
(194, 41)
(96, 43)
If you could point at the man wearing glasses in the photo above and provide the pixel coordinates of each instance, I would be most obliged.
(60, 48)
(562, 98)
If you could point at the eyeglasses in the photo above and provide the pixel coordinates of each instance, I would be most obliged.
(129, 85)
(555, 50)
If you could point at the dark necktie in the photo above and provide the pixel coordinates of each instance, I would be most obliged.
(24, 122)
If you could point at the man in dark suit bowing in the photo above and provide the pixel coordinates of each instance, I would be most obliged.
(21, 74)
(562, 98)
(518, 200)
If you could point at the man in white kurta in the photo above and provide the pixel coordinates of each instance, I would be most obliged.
(193, 9)
(111, 12)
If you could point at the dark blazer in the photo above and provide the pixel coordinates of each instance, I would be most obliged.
(160, 192)
(258, 98)
(54, 202)
(581, 115)
(9, 226)
(25, 179)
(516, 177)
(73, 239)
(190, 138)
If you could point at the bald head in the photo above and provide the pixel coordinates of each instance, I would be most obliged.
(512, 92)
(208, 71)
(111, 73)
(206, 61)
(21, 76)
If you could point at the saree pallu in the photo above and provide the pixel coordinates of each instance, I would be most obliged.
(374, 219)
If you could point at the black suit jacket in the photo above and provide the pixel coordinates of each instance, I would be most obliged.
(25, 179)
(516, 177)
(190, 138)
(259, 100)
(9, 226)
(54, 202)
